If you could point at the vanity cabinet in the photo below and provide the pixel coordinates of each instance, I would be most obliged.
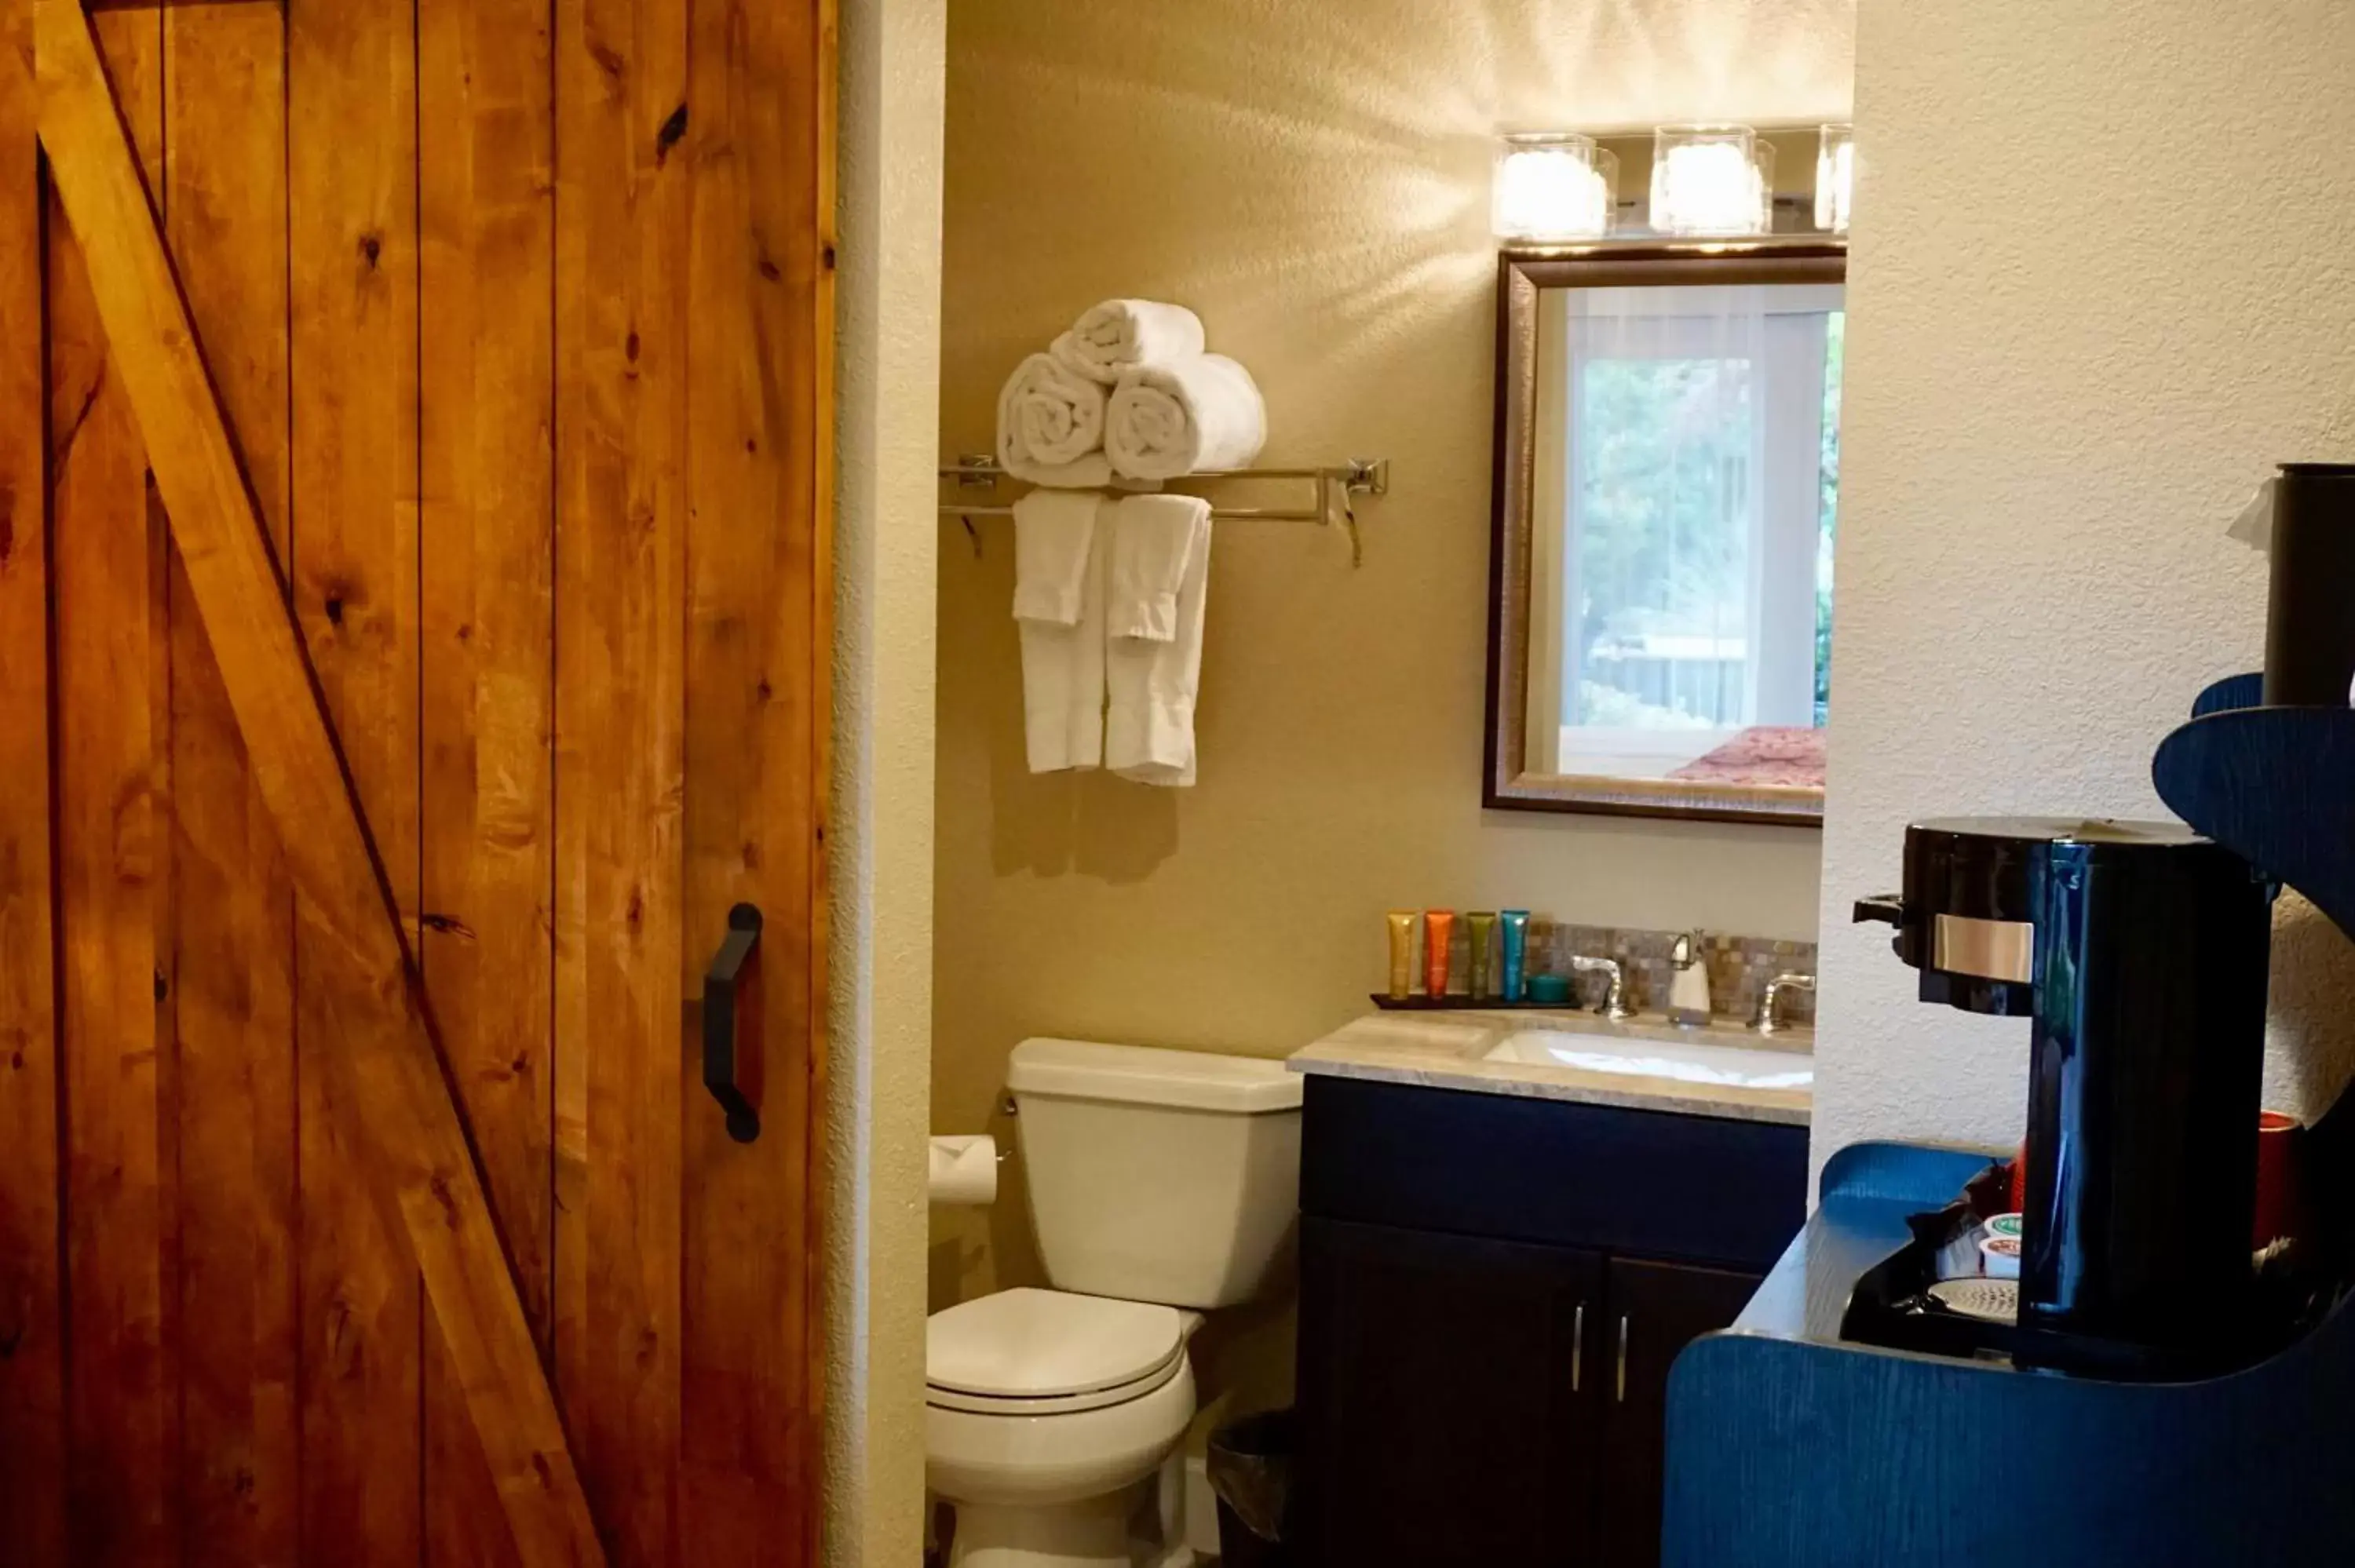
(1493, 1289)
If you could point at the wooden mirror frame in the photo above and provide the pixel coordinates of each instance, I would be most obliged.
(1506, 784)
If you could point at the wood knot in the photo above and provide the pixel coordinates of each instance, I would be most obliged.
(632, 347)
(826, 256)
(673, 130)
(771, 270)
(334, 609)
(372, 249)
(162, 985)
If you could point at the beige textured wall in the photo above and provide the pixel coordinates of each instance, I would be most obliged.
(2100, 283)
(881, 1020)
(1312, 175)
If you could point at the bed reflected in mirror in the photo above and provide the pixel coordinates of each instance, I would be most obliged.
(1667, 491)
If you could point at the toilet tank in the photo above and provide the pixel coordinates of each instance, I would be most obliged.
(1167, 1176)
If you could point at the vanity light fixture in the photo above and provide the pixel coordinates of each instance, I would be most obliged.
(1715, 180)
(1835, 177)
(1552, 187)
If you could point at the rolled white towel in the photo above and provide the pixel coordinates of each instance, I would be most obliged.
(1200, 413)
(1121, 335)
(1051, 427)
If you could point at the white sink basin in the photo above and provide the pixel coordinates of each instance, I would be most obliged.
(1729, 1067)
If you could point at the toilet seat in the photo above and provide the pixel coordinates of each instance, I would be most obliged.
(1048, 1353)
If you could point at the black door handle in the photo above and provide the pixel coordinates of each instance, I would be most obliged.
(720, 999)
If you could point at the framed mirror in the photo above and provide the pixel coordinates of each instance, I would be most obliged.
(1667, 488)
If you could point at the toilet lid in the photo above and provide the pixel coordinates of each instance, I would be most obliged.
(1046, 1344)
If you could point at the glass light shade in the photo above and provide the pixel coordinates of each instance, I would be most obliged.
(1553, 186)
(1711, 180)
(1835, 177)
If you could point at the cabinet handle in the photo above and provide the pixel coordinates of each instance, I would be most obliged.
(1577, 1344)
(1622, 1394)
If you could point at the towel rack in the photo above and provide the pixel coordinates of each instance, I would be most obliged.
(1338, 488)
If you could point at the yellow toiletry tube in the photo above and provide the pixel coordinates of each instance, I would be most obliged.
(1402, 954)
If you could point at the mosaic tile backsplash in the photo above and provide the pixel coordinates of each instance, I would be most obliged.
(1739, 966)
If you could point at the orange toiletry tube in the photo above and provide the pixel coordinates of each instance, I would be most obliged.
(1438, 926)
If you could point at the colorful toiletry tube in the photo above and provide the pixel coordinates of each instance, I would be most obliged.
(1402, 922)
(1480, 926)
(1515, 925)
(1438, 926)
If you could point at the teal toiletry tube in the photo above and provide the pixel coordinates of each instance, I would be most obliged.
(1515, 926)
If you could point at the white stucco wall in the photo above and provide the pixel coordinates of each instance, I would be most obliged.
(2104, 276)
(888, 395)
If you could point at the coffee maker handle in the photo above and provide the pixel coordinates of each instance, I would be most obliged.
(1888, 909)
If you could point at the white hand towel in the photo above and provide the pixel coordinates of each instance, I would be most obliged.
(1054, 534)
(1050, 425)
(1121, 335)
(1153, 685)
(1059, 554)
(1152, 545)
(1200, 413)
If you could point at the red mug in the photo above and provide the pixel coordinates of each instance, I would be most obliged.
(2278, 1137)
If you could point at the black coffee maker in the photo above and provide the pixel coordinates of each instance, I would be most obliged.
(2138, 953)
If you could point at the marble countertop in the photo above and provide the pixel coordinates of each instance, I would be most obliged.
(1645, 1063)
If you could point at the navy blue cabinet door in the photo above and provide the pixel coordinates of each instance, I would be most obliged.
(1655, 1310)
(1452, 1393)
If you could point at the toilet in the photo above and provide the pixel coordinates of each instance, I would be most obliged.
(1164, 1184)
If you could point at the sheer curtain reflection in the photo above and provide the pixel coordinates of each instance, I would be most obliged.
(1687, 461)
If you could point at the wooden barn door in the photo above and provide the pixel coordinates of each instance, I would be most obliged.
(414, 431)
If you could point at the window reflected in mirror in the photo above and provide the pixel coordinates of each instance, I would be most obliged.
(1675, 491)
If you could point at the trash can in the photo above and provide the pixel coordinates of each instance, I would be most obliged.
(1250, 1469)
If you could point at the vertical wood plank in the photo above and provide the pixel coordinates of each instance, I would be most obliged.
(758, 687)
(409, 1132)
(224, 195)
(32, 1355)
(352, 203)
(621, 258)
(121, 1395)
(487, 236)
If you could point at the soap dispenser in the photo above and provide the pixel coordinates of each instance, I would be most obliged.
(1689, 1001)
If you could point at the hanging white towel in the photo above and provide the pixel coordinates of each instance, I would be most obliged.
(1050, 425)
(1171, 421)
(1152, 544)
(1058, 566)
(1121, 335)
(1154, 683)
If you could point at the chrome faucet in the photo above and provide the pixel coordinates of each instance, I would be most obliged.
(1615, 996)
(1769, 1018)
(1689, 1001)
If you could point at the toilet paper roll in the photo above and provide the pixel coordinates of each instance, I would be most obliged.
(964, 1170)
